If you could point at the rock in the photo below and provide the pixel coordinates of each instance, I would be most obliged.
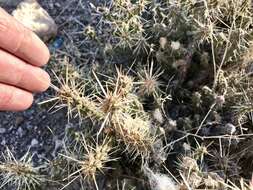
(20, 132)
(34, 143)
(19, 120)
(3, 143)
(2, 130)
(34, 17)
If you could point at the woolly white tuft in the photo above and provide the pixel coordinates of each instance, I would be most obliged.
(160, 181)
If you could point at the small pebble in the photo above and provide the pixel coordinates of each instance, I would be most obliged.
(34, 143)
(2, 130)
(3, 143)
(20, 132)
(19, 120)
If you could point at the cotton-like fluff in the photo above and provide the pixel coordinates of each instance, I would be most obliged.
(158, 116)
(160, 181)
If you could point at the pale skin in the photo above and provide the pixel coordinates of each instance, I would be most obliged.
(22, 54)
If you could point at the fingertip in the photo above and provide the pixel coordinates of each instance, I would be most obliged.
(44, 54)
(14, 99)
(26, 103)
(45, 81)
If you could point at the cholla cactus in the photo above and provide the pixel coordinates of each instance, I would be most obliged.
(135, 133)
(132, 127)
(88, 160)
(114, 100)
(126, 29)
(126, 83)
(229, 39)
(19, 173)
(71, 94)
(149, 84)
(75, 101)
(204, 48)
(114, 106)
(127, 22)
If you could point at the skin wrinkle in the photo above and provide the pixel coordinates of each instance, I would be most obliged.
(16, 74)
(20, 78)
(20, 39)
(3, 25)
(6, 98)
(19, 72)
(4, 78)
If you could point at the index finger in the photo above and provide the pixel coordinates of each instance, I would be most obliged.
(20, 41)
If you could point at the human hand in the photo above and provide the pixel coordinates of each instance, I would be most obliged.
(21, 55)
